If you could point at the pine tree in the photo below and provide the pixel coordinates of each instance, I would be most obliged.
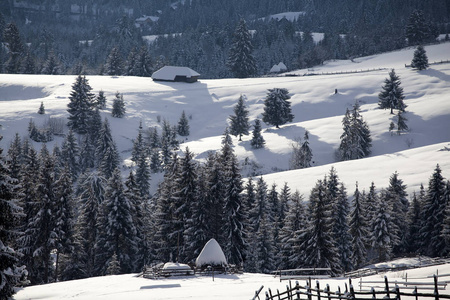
(277, 110)
(445, 233)
(63, 217)
(320, 250)
(183, 125)
(11, 273)
(117, 233)
(143, 177)
(382, 236)
(392, 94)
(41, 110)
(70, 154)
(113, 266)
(90, 196)
(131, 63)
(80, 106)
(355, 140)
(342, 229)
(51, 65)
(415, 222)
(101, 100)
(358, 231)
(239, 121)
(106, 152)
(11, 37)
(417, 29)
(118, 109)
(293, 233)
(397, 197)
(233, 214)
(433, 215)
(240, 60)
(138, 146)
(306, 152)
(257, 141)
(420, 59)
(144, 65)
(114, 63)
(28, 64)
(15, 157)
(41, 227)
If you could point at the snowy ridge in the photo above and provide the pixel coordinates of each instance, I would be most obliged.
(316, 108)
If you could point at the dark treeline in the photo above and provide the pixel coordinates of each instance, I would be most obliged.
(80, 40)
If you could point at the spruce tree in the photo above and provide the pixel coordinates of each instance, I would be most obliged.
(101, 100)
(90, 196)
(106, 152)
(320, 250)
(183, 125)
(117, 233)
(114, 63)
(143, 177)
(433, 215)
(13, 42)
(239, 121)
(358, 231)
(277, 108)
(143, 65)
(257, 141)
(415, 222)
(70, 154)
(240, 60)
(138, 146)
(355, 140)
(417, 29)
(28, 64)
(118, 109)
(80, 106)
(51, 65)
(306, 152)
(391, 97)
(11, 273)
(420, 59)
(445, 233)
(382, 235)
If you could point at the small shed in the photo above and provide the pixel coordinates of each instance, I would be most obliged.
(211, 255)
(175, 74)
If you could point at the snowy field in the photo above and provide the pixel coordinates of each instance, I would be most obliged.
(209, 103)
(224, 287)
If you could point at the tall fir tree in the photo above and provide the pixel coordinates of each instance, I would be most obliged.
(106, 152)
(391, 97)
(358, 230)
(415, 221)
(117, 233)
(239, 121)
(114, 63)
(277, 108)
(240, 60)
(320, 250)
(90, 196)
(420, 59)
(16, 48)
(433, 215)
(80, 106)
(11, 273)
(383, 229)
(401, 123)
(101, 100)
(70, 154)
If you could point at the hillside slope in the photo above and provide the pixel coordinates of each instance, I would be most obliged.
(317, 109)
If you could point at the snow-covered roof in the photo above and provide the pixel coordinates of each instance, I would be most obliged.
(176, 266)
(278, 68)
(170, 72)
(211, 254)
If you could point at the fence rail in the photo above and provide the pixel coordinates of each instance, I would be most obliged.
(308, 293)
(433, 63)
(337, 72)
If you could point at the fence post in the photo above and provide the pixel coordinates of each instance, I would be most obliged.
(352, 292)
(436, 292)
(415, 293)
(328, 292)
(318, 289)
(308, 291)
(339, 292)
(397, 292)
(387, 287)
(374, 295)
(267, 296)
(278, 292)
(270, 293)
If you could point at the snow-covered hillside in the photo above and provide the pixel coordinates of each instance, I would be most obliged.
(239, 287)
(317, 109)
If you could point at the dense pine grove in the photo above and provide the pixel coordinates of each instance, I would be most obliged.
(217, 39)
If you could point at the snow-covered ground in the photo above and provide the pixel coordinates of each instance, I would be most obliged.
(223, 287)
(209, 103)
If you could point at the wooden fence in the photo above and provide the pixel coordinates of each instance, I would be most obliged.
(336, 73)
(433, 63)
(306, 292)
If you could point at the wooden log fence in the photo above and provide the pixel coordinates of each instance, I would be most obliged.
(306, 292)
(433, 63)
(336, 73)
